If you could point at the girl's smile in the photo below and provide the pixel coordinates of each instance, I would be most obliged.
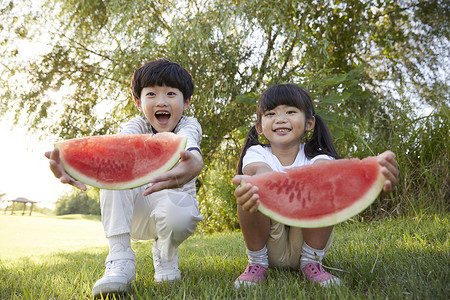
(282, 131)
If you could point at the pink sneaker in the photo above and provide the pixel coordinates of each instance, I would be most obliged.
(252, 275)
(315, 273)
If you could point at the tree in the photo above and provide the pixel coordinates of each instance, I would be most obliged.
(357, 58)
(78, 202)
(231, 48)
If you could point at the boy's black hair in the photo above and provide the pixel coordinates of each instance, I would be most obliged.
(292, 95)
(162, 72)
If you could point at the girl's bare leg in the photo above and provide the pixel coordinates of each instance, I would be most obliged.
(317, 238)
(313, 251)
(255, 229)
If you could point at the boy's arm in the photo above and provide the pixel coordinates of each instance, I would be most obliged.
(136, 125)
(58, 170)
(191, 162)
(189, 167)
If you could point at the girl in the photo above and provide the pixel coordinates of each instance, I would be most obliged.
(284, 114)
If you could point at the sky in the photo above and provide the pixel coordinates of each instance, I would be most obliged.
(24, 170)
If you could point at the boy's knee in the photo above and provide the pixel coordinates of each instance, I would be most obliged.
(178, 219)
(187, 223)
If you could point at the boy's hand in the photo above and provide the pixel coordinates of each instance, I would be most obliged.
(190, 165)
(389, 168)
(246, 195)
(58, 170)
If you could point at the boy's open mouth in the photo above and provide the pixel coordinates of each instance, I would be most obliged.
(162, 116)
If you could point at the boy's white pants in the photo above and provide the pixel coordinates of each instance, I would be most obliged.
(168, 216)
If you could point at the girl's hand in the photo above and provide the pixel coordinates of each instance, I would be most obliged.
(189, 166)
(389, 168)
(58, 170)
(246, 195)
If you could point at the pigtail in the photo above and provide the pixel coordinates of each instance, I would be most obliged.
(321, 141)
(250, 140)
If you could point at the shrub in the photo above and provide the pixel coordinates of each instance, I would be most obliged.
(79, 202)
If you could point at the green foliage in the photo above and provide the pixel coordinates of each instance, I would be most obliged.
(426, 187)
(79, 202)
(421, 145)
(217, 202)
(367, 64)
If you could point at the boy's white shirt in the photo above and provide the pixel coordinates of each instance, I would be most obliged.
(187, 126)
(259, 153)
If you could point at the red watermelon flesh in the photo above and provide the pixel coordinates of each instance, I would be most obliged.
(319, 195)
(120, 161)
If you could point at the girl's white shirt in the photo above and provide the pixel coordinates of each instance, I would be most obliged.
(259, 153)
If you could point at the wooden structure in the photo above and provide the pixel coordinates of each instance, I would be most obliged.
(25, 201)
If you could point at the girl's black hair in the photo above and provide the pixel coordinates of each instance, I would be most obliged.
(162, 72)
(291, 95)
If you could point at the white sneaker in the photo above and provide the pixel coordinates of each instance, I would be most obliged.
(120, 272)
(166, 271)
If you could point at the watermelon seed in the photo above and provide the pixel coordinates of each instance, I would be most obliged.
(291, 197)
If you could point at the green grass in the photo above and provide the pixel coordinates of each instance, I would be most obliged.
(388, 259)
(30, 237)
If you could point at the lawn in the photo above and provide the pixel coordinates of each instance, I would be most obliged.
(24, 237)
(61, 258)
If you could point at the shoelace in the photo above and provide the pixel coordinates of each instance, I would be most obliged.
(116, 266)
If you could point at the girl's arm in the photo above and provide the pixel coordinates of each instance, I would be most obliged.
(247, 194)
(389, 168)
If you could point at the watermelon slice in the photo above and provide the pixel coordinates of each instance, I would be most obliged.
(319, 195)
(120, 161)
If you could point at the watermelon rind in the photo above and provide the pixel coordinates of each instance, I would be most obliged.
(123, 185)
(335, 218)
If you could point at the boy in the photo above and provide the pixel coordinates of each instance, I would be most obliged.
(165, 209)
